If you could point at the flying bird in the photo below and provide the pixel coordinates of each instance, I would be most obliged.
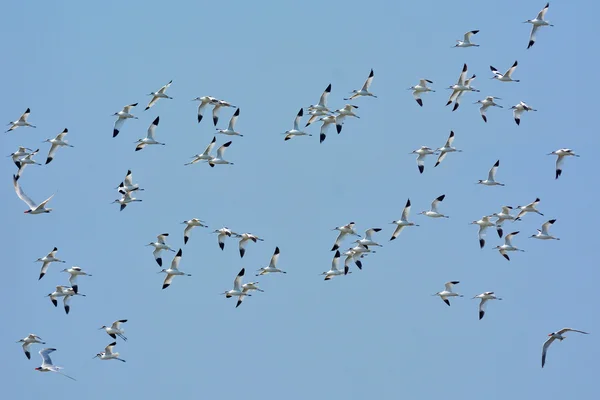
(487, 103)
(22, 121)
(173, 270)
(537, 23)
(28, 341)
(127, 185)
(503, 216)
(335, 271)
(57, 142)
(108, 353)
(483, 224)
(344, 230)
(561, 154)
(159, 95)
(447, 292)
(419, 89)
(485, 296)
(217, 107)
(507, 246)
(491, 180)
(447, 148)
(556, 335)
(33, 207)
(463, 84)
(421, 153)
(466, 42)
(519, 109)
(205, 155)
(403, 221)
(296, 130)
(47, 365)
(244, 238)
(223, 233)
(24, 161)
(159, 246)
(272, 267)
(74, 272)
(544, 233)
(219, 159)
(322, 105)
(434, 213)
(123, 115)
(368, 239)
(126, 199)
(190, 224)
(364, 91)
(531, 207)
(237, 289)
(47, 260)
(149, 139)
(231, 128)
(204, 101)
(507, 76)
(115, 329)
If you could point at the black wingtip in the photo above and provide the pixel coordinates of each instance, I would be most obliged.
(338, 128)
(242, 252)
(200, 118)
(185, 239)
(242, 272)
(335, 247)
(238, 303)
(159, 261)
(155, 122)
(407, 203)
(421, 168)
(165, 286)
(276, 250)
(447, 301)
(358, 264)
(28, 110)
(558, 172)
(67, 309)
(222, 246)
(506, 256)
(178, 253)
(497, 164)
(464, 68)
(115, 132)
(28, 355)
(236, 113)
(322, 137)
(456, 105)
(484, 118)
(481, 314)
(328, 90)
(441, 198)
(531, 42)
(515, 64)
(518, 121)
(420, 102)
(49, 159)
(481, 243)
(371, 74)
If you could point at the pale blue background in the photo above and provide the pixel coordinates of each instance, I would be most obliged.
(374, 334)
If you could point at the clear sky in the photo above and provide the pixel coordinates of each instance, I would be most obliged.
(377, 333)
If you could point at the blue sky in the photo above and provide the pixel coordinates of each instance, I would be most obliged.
(377, 333)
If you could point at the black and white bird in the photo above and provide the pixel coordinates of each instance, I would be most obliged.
(544, 233)
(403, 221)
(224, 233)
(24, 161)
(47, 365)
(122, 116)
(487, 103)
(159, 95)
(57, 142)
(205, 155)
(272, 267)
(33, 207)
(74, 272)
(231, 127)
(217, 106)
(537, 23)
(507, 76)
(419, 89)
(466, 42)
(484, 223)
(127, 185)
(115, 330)
(560, 159)
(447, 292)
(159, 246)
(485, 296)
(434, 213)
(447, 148)
(173, 270)
(150, 136)
(204, 101)
(491, 180)
(421, 153)
(507, 246)
(28, 341)
(238, 290)
(518, 111)
(322, 105)
(109, 354)
(296, 130)
(22, 121)
(344, 230)
(502, 216)
(364, 91)
(190, 224)
(244, 238)
(531, 207)
(47, 260)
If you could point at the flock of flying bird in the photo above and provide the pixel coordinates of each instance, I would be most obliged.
(354, 255)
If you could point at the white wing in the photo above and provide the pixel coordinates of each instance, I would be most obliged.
(23, 196)
(274, 258)
(406, 211)
(45, 353)
(237, 283)
(336, 261)
(546, 226)
(162, 89)
(233, 120)
(547, 344)
(492, 173)
(368, 81)
(210, 146)
(162, 237)
(542, 14)
(128, 179)
(221, 150)
(176, 259)
(463, 75)
(324, 96)
(297, 119)
(152, 128)
(436, 202)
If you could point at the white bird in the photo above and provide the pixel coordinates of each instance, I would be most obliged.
(21, 152)
(66, 293)
(204, 101)
(368, 239)
(353, 256)
(219, 159)
(322, 105)
(223, 233)
(364, 91)
(205, 155)
(123, 115)
(231, 128)
(507, 246)
(315, 114)
(561, 154)
(447, 148)
(173, 270)
(531, 207)
(463, 84)
(47, 365)
(491, 180)
(503, 216)
(466, 42)
(33, 207)
(191, 223)
(46, 260)
(217, 107)
(244, 238)
(347, 111)
(159, 95)
(149, 139)
(468, 87)
(56, 143)
(537, 23)
(447, 292)
(556, 335)
(487, 103)
(296, 130)
(238, 290)
(483, 224)
(28, 341)
(251, 286)
(505, 77)
(518, 110)
(544, 234)
(74, 272)
(434, 213)
(159, 246)
(344, 230)
(108, 353)
(485, 296)
(328, 120)
(272, 267)
(420, 88)
(127, 185)
(22, 162)
(335, 271)
(22, 121)
(126, 199)
(421, 153)
(115, 329)
(403, 221)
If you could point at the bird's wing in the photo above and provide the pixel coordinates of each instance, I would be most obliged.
(547, 344)
(221, 150)
(336, 261)
(542, 14)
(162, 89)
(508, 238)
(563, 330)
(128, 107)
(492, 173)
(406, 211)
(274, 258)
(237, 283)
(324, 96)
(463, 75)
(23, 196)
(176, 259)
(450, 139)
(45, 353)
(152, 128)
(162, 237)
(368, 81)
(233, 120)
(128, 179)
(297, 119)
(24, 116)
(441, 157)
(210, 146)
(546, 226)
(434, 203)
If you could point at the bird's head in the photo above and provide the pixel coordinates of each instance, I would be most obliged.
(102, 327)
(38, 368)
(26, 211)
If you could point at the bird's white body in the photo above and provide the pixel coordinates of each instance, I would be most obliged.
(508, 246)
(28, 341)
(364, 91)
(159, 95)
(115, 330)
(33, 207)
(447, 292)
(419, 89)
(560, 158)
(507, 76)
(445, 149)
(296, 130)
(484, 223)
(434, 213)
(334, 271)
(491, 180)
(531, 207)
(173, 270)
(403, 221)
(536, 23)
(150, 136)
(238, 290)
(22, 121)
(272, 267)
(485, 296)
(109, 354)
(544, 233)
(487, 103)
(466, 42)
(231, 127)
(518, 111)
